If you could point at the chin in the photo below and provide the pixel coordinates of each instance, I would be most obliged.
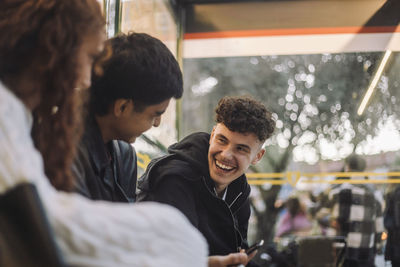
(222, 177)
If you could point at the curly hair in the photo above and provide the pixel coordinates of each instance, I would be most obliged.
(245, 115)
(43, 38)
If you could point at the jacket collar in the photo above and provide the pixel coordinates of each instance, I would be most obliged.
(94, 142)
(238, 191)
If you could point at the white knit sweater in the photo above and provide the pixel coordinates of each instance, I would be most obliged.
(93, 233)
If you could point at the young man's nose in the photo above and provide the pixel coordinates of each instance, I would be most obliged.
(227, 153)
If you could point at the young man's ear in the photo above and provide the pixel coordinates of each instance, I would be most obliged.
(211, 135)
(258, 156)
(120, 106)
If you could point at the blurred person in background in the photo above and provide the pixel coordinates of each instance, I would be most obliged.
(355, 212)
(392, 222)
(46, 51)
(295, 220)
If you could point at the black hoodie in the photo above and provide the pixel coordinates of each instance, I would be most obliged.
(182, 180)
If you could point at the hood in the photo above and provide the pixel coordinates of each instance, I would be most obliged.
(188, 158)
(194, 150)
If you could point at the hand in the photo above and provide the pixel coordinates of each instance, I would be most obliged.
(233, 259)
(250, 256)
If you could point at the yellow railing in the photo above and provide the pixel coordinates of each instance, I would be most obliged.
(293, 177)
(143, 160)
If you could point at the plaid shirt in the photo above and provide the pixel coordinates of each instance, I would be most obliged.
(357, 210)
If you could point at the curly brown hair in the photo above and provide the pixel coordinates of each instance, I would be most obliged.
(43, 37)
(244, 114)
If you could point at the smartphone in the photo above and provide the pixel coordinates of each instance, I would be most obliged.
(254, 247)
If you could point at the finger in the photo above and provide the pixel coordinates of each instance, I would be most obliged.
(251, 255)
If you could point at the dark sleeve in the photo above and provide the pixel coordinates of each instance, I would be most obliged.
(388, 219)
(243, 216)
(177, 192)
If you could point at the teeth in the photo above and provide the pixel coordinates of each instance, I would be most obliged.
(222, 166)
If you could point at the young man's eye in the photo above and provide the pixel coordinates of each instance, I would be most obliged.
(242, 149)
(221, 141)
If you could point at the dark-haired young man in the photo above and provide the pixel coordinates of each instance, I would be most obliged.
(203, 175)
(136, 86)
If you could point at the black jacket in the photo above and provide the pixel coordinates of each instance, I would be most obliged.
(182, 180)
(392, 224)
(105, 172)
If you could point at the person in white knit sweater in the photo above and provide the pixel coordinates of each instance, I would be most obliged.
(47, 49)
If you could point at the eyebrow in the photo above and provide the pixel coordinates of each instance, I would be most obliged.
(159, 113)
(221, 136)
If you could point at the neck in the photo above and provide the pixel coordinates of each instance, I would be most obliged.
(25, 89)
(220, 190)
(105, 129)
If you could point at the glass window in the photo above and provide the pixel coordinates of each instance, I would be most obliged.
(315, 99)
(156, 18)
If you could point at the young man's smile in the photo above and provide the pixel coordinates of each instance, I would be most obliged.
(222, 166)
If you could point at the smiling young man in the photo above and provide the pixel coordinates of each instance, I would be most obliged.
(130, 96)
(203, 175)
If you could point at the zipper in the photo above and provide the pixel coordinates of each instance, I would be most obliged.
(230, 212)
(233, 202)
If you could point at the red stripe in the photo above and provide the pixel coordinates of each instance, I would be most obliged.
(300, 31)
